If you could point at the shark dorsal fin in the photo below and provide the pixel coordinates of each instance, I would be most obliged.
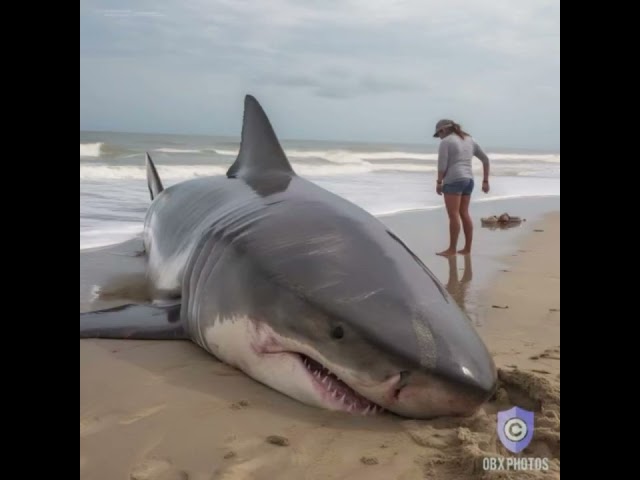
(260, 151)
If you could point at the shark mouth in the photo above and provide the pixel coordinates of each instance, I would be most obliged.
(334, 391)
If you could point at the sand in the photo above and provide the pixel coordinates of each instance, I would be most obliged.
(168, 410)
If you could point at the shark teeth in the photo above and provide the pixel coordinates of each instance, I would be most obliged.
(338, 391)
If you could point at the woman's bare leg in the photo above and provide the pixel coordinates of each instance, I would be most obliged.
(452, 202)
(467, 224)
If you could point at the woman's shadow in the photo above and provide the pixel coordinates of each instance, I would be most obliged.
(458, 287)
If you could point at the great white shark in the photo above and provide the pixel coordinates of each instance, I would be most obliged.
(300, 289)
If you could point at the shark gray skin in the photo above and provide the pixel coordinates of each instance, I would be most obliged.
(301, 290)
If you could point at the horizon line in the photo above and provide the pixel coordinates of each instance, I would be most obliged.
(539, 149)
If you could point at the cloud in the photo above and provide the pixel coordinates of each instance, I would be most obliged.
(470, 57)
(131, 13)
(340, 84)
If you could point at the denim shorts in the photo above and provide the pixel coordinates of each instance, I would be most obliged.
(459, 187)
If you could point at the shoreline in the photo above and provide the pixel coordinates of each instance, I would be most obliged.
(155, 409)
(502, 199)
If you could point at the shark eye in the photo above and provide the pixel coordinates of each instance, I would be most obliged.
(337, 332)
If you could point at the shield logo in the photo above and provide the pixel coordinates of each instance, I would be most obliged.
(515, 428)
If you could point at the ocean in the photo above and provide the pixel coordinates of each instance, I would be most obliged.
(381, 178)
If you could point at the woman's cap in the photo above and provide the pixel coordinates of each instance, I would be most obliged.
(441, 124)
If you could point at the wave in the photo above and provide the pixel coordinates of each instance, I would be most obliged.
(174, 172)
(336, 156)
(177, 172)
(169, 172)
(90, 150)
(545, 158)
(226, 153)
(178, 150)
(104, 150)
(352, 156)
(109, 235)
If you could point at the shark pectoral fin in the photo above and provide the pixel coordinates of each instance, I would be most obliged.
(138, 322)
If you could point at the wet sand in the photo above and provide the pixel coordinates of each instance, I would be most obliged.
(168, 410)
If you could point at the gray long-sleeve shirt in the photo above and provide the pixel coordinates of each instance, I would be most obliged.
(455, 156)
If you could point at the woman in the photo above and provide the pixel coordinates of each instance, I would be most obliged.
(455, 180)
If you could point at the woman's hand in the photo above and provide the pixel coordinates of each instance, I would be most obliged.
(485, 186)
(439, 188)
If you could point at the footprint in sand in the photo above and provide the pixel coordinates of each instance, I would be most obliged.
(257, 457)
(147, 412)
(278, 440)
(550, 353)
(257, 466)
(240, 405)
(93, 424)
(157, 469)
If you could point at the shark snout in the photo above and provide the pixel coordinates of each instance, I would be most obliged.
(428, 395)
(457, 385)
(425, 394)
(457, 376)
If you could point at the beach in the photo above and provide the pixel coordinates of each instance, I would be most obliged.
(263, 215)
(169, 410)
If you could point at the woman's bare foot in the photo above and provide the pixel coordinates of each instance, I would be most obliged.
(447, 253)
(464, 251)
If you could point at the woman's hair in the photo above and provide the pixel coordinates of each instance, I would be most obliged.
(457, 129)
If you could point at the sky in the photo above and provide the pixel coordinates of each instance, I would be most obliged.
(346, 70)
